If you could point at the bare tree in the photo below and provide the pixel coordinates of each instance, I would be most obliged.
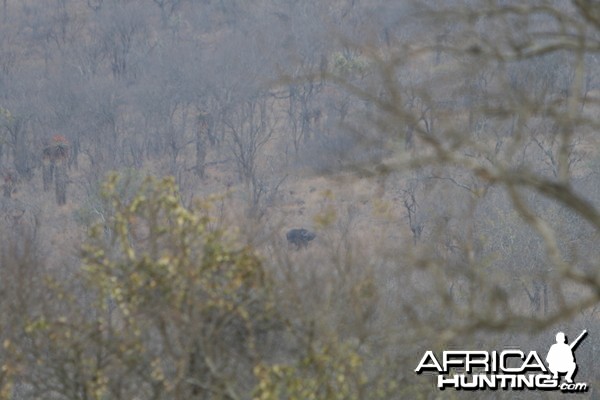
(250, 129)
(54, 167)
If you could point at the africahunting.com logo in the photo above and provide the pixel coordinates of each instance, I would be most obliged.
(510, 369)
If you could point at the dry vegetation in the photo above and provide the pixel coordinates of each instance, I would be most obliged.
(445, 154)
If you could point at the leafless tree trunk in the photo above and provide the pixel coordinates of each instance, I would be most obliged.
(7, 189)
(47, 173)
(203, 132)
(61, 183)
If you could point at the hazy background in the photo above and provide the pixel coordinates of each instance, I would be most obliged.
(444, 153)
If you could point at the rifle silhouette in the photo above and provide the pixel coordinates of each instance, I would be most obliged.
(575, 342)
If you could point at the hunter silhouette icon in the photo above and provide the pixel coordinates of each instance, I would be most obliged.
(560, 356)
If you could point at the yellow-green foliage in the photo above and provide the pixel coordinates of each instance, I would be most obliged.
(5, 115)
(176, 281)
(176, 308)
(346, 65)
(8, 369)
(332, 372)
(179, 261)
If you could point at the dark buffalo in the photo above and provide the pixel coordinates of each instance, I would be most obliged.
(300, 237)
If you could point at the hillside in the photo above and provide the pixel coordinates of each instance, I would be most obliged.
(155, 154)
